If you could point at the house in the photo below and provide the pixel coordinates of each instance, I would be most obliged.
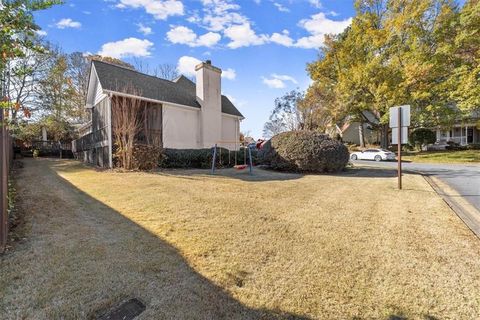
(349, 131)
(179, 114)
(464, 132)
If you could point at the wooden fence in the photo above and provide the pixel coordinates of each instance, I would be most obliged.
(6, 160)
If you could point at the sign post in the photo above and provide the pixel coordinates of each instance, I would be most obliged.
(399, 158)
(399, 122)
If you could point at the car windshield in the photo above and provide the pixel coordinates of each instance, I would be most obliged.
(383, 150)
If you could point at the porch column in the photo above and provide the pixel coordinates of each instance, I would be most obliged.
(461, 134)
(466, 134)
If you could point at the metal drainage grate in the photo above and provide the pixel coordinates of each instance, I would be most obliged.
(125, 311)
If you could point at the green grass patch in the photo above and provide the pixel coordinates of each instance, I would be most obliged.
(462, 156)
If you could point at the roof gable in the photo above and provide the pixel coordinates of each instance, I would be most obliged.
(181, 91)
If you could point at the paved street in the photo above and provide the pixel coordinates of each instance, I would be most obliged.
(463, 178)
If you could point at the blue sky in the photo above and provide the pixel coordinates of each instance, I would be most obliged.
(262, 45)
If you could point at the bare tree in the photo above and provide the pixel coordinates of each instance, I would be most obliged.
(166, 71)
(78, 70)
(273, 127)
(127, 119)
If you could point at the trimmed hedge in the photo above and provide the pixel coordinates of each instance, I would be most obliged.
(304, 151)
(202, 158)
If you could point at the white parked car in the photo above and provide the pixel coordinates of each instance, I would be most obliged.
(373, 154)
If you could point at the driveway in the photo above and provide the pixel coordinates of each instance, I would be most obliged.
(464, 179)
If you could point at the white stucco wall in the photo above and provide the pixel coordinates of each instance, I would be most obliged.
(230, 132)
(181, 127)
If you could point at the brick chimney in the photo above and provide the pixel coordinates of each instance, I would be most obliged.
(208, 87)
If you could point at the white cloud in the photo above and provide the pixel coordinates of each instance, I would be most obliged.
(220, 22)
(282, 38)
(243, 36)
(319, 23)
(229, 74)
(184, 35)
(318, 26)
(181, 35)
(221, 14)
(87, 12)
(280, 7)
(159, 9)
(68, 23)
(208, 39)
(186, 66)
(130, 47)
(316, 3)
(144, 29)
(41, 33)
(277, 81)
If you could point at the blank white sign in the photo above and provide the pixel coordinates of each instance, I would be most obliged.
(405, 116)
(404, 135)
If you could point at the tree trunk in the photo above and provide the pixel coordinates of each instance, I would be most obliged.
(384, 136)
(361, 134)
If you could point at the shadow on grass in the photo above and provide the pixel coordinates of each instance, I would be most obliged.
(257, 175)
(363, 172)
(145, 265)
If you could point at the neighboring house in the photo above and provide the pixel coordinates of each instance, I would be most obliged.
(463, 132)
(180, 114)
(349, 131)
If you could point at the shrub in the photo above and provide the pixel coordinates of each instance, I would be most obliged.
(451, 145)
(202, 158)
(304, 151)
(473, 146)
(422, 136)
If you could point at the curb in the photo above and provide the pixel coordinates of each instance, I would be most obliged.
(465, 211)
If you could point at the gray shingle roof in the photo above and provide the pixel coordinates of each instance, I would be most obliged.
(180, 91)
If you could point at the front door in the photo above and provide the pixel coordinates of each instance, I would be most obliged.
(469, 135)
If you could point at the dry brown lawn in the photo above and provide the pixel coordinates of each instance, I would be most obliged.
(231, 246)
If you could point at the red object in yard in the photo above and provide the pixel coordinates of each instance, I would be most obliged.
(260, 143)
(240, 166)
